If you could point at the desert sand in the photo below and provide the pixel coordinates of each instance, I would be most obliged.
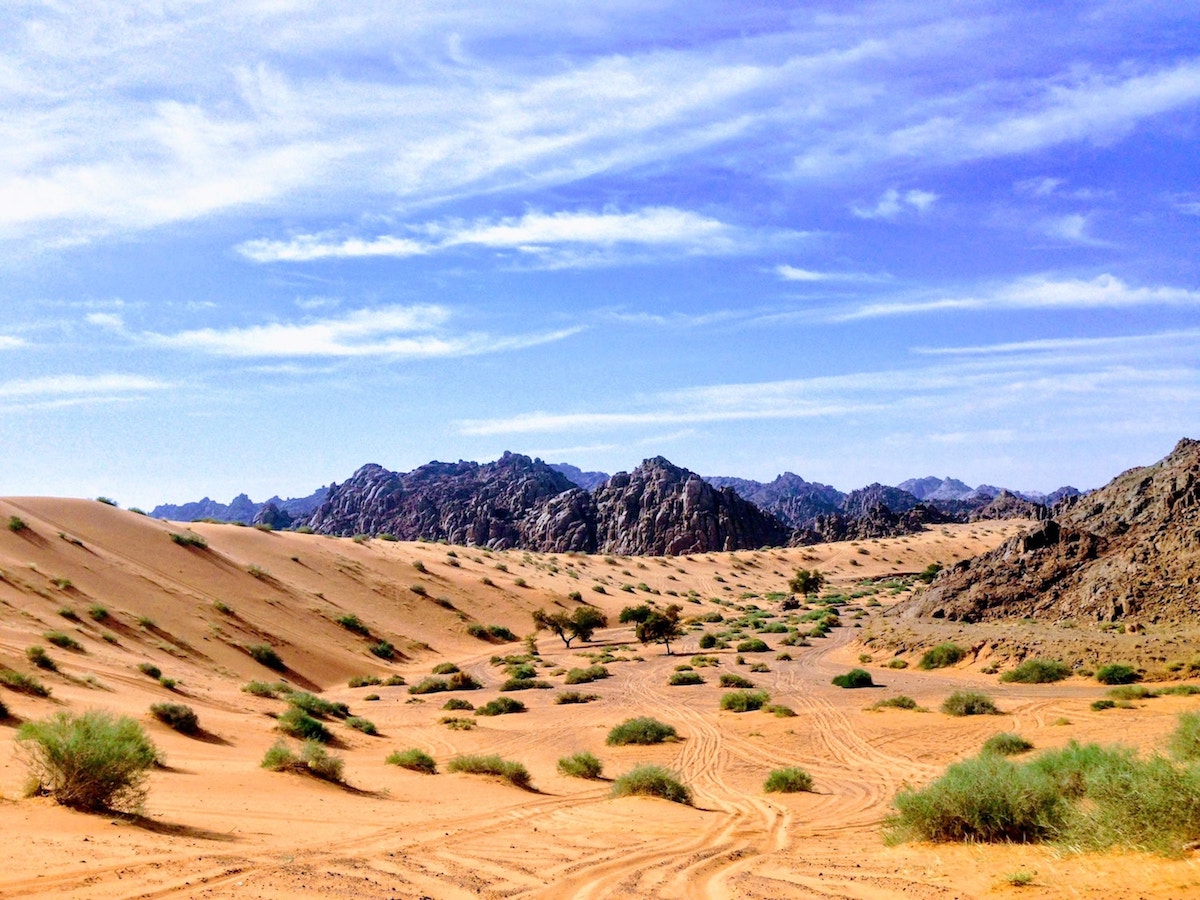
(218, 825)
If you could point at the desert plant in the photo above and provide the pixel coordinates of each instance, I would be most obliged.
(501, 706)
(898, 702)
(969, 703)
(37, 655)
(23, 684)
(299, 724)
(512, 772)
(753, 645)
(1184, 742)
(744, 701)
(189, 539)
(707, 641)
(98, 612)
(318, 706)
(351, 622)
(1037, 671)
(581, 623)
(1006, 744)
(458, 703)
(652, 781)
(384, 650)
(313, 760)
(178, 716)
(414, 760)
(679, 679)
(525, 684)
(788, 781)
(942, 655)
(586, 675)
(855, 678)
(150, 670)
(445, 668)
(734, 680)
(581, 765)
(266, 655)
(1116, 673)
(897, 662)
(1101, 705)
(16, 524)
(359, 681)
(575, 697)
(63, 640)
(641, 730)
(366, 726)
(266, 689)
(90, 761)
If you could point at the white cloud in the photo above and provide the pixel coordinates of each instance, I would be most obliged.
(792, 273)
(9, 342)
(892, 203)
(395, 332)
(1071, 228)
(80, 386)
(555, 238)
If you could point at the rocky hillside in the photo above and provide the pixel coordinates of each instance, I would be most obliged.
(790, 498)
(1130, 550)
(242, 509)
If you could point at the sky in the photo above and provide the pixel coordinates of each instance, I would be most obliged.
(252, 246)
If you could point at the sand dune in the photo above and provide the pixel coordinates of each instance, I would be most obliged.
(218, 825)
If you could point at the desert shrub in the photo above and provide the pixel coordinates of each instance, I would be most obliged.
(299, 724)
(414, 760)
(279, 756)
(501, 706)
(1101, 705)
(445, 668)
(652, 781)
(429, 686)
(66, 612)
(942, 655)
(581, 765)
(266, 689)
(318, 706)
(788, 781)
(855, 678)
(642, 730)
(707, 641)
(1037, 671)
(897, 662)
(150, 670)
(521, 670)
(734, 680)
(90, 761)
(394, 681)
(366, 726)
(1183, 690)
(23, 684)
(780, 711)
(16, 524)
(1184, 742)
(189, 539)
(584, 676)
(265, 655)
(351, 622)
(898, 702)
(1127, 692)
(969, 703)
(178, 716)
(744, 701)
(525, 684)
(98, 612)
(575, 697)
(987, 798)
(359, 681)
(313, 760)
(168, 683)
(63, 640)
(1116, 673)
(384, 650)
(457, 723)
(754, 645)
(37, 655)
(679, 679)
(458, 703)
(512, 772)
(1006, 744)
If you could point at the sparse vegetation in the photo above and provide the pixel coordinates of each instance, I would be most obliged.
(23, 684)
(266, 689)
(1184, 743)
(512, 772)
(150, 670)
(581, 765)
(366, 726)
(415, 760)
(1116, 673)
(266, 655)
(587, 675)
(178, 716)
(37, 655)
(16, 524)
(299, 724)
(652, 781)
(445, 668)
(898, 702)
(63, 640)
(384, 650)
(642, 730)
(1006, 744)
(566, 697)
(98, 613)
(734, 680)
(582, 623)
(744, 701)
(788, 781)
(501, 706)
(189, 539)
(351, 622)
(313, 760)
(1037, 671)
(855, 678)
(753, 645)
(947, 654)
(90, 761)
(681, 679)
(969, 703)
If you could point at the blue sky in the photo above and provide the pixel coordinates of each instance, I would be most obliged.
(251, 246)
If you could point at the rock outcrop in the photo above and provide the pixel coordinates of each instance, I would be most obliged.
(790, 498)
(1130, 549)
(240, 509)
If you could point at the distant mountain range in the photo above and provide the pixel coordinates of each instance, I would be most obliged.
(659, 508)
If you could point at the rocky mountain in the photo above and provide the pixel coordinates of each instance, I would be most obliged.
(240, 509)
(790, 498)
(933, 488)
(589, 481)
(1128, 550)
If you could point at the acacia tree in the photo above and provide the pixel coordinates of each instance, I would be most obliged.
(582, 623)
(660, 627)
(806, 582)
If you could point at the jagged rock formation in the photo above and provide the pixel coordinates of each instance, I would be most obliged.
(661, 509)
(933, 488)
(273, 517)
(860, 502)
(240, 509)
(789, 497)
(589, 481)
(1007, 505)
(1130, 549)
(876, 522)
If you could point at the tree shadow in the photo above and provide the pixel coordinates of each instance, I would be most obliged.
(173, 829)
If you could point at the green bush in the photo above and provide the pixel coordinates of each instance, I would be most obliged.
(150, 670)
(754, 645)
(744, 701)
(788, 781)
(414, 760)
(384, 650)
(266, 689)
(318, 706)
(445, 668)
(189, 539)
(525, 684)
(63, 640)
(707, 641)
(642, 730)
(501, 706)
(37, 655)
(512, 772)
(942, 655)
(178, 716)
(969, 703)
(575, 697)
(16, 524)
(351, 622)
(855, 678)
(98, 612)
(898, 702)
(458, 703)
(366, 726)
(652, 781)
(585, 676)
(734, 680)
(581, 765)
(359, 681)
(1006, 744)
(680, 679)
(1037, 671)
(1184, 742)
(313, 760)
(1127, 692)
(1116, 673)
(90, 761)
(23, 684)
(299, 724)
(897, 662)
(1101, 705)
(265, 655)
(460, 681)
(782, 712)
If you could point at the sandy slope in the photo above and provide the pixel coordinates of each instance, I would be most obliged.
(217, 825)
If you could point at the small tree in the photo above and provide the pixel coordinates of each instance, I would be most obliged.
(806, 582)
(635, 614)
(661, 627)
(581, 624)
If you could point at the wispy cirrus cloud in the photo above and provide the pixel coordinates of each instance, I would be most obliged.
(793, 273)
(557, 239)
(10, 342)
(892, 203)
(395, 332)
(67, 390)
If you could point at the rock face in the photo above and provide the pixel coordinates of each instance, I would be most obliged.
(240, 509)
(790, 498)
(875, 522)
(589, 481)
(1007, 505)
(661, 509)
(1130, 549)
